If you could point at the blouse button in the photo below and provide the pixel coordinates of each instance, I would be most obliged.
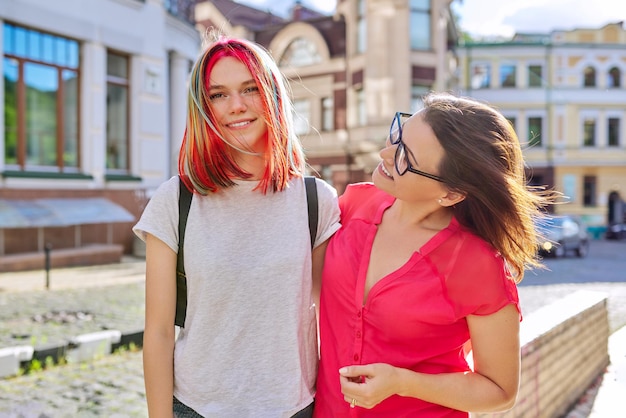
(358, 334)
(356, 357)
(358, 314)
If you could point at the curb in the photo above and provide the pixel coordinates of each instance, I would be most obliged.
(82, 348)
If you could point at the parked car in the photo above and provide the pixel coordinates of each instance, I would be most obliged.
(563, 234)
(616, 231)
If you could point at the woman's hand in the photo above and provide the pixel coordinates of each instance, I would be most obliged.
(368, 385)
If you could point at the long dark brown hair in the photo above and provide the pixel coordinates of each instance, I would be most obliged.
(483, 160)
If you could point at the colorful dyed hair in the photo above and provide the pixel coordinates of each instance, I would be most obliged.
(206, 161)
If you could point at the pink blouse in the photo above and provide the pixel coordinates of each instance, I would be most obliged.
(414, 318)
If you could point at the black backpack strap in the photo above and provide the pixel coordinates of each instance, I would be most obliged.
(311, 198)
(184, 202)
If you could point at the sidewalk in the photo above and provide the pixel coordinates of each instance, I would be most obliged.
(608, 400)
(85, 313)
(90, 300)
(129, 270)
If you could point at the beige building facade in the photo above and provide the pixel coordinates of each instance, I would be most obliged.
(565, 94)
(94, 99)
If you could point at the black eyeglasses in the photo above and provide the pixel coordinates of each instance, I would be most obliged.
(401, 159)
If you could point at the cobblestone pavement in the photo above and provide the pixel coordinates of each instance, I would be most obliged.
(112, 386)
(42, 318)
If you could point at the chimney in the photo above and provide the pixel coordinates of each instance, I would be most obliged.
(296, 11)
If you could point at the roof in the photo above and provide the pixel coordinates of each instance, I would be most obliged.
(240, 14)
(15, 213)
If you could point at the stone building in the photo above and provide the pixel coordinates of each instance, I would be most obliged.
(564, 92)
(94, 102)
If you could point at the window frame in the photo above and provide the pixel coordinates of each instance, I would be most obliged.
(505, 82)
(589, 131)
(616, 135)
(119, 82)
(38, 50)
(535, 140)
(590, 188)
(539, 77)
(421, 10)
(590, 78)
(485, 76)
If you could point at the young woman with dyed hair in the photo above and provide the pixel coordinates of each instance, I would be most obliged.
(425, 266)
(248, 347)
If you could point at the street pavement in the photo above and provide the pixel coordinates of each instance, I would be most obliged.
(83, 300)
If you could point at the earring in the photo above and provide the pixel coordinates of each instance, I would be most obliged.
(440, 201)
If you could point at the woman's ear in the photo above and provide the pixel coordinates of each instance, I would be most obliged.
(452, 198)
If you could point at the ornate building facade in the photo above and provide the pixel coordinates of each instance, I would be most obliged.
(564, 93)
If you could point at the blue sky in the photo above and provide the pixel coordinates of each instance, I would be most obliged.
(501, 17)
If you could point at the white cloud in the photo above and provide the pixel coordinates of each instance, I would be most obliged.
(506, 17)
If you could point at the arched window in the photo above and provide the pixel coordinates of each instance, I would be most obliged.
(590, 77)
(615, 76)
(299, 53)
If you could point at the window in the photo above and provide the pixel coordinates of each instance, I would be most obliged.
(419, 24)
(117, 113)
(182, 9)
(615, 76)
(361, 107)
(40, 100)
(507, 75)
(589, 191)
(590, 77)
(417, 97)
(302, 109)
(536, 180)
(361, 34)
(481, 76)
(534, 131)
(328, 114)
(613, 137)
(535, 77)
(589, 132)
(512, 120)
(327, 174)
(299, 53)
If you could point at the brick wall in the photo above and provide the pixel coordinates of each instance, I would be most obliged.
(564, 348)
(87, 255)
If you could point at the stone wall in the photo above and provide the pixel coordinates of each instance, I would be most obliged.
(564, 349)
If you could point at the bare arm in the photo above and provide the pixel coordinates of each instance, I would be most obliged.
(319, 254)
(493, 385)
(158, 340)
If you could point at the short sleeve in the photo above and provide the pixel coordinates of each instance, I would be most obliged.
(160, 217)
(328, 211)
(477, 280)
(363, 201)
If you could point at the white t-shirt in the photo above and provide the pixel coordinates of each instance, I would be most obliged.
(249, 345)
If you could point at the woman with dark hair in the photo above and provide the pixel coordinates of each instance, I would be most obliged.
(424, 269)
(248, 347)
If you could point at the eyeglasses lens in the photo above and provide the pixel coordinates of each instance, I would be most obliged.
(401, 159)
(394, 132)
(395, 137)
